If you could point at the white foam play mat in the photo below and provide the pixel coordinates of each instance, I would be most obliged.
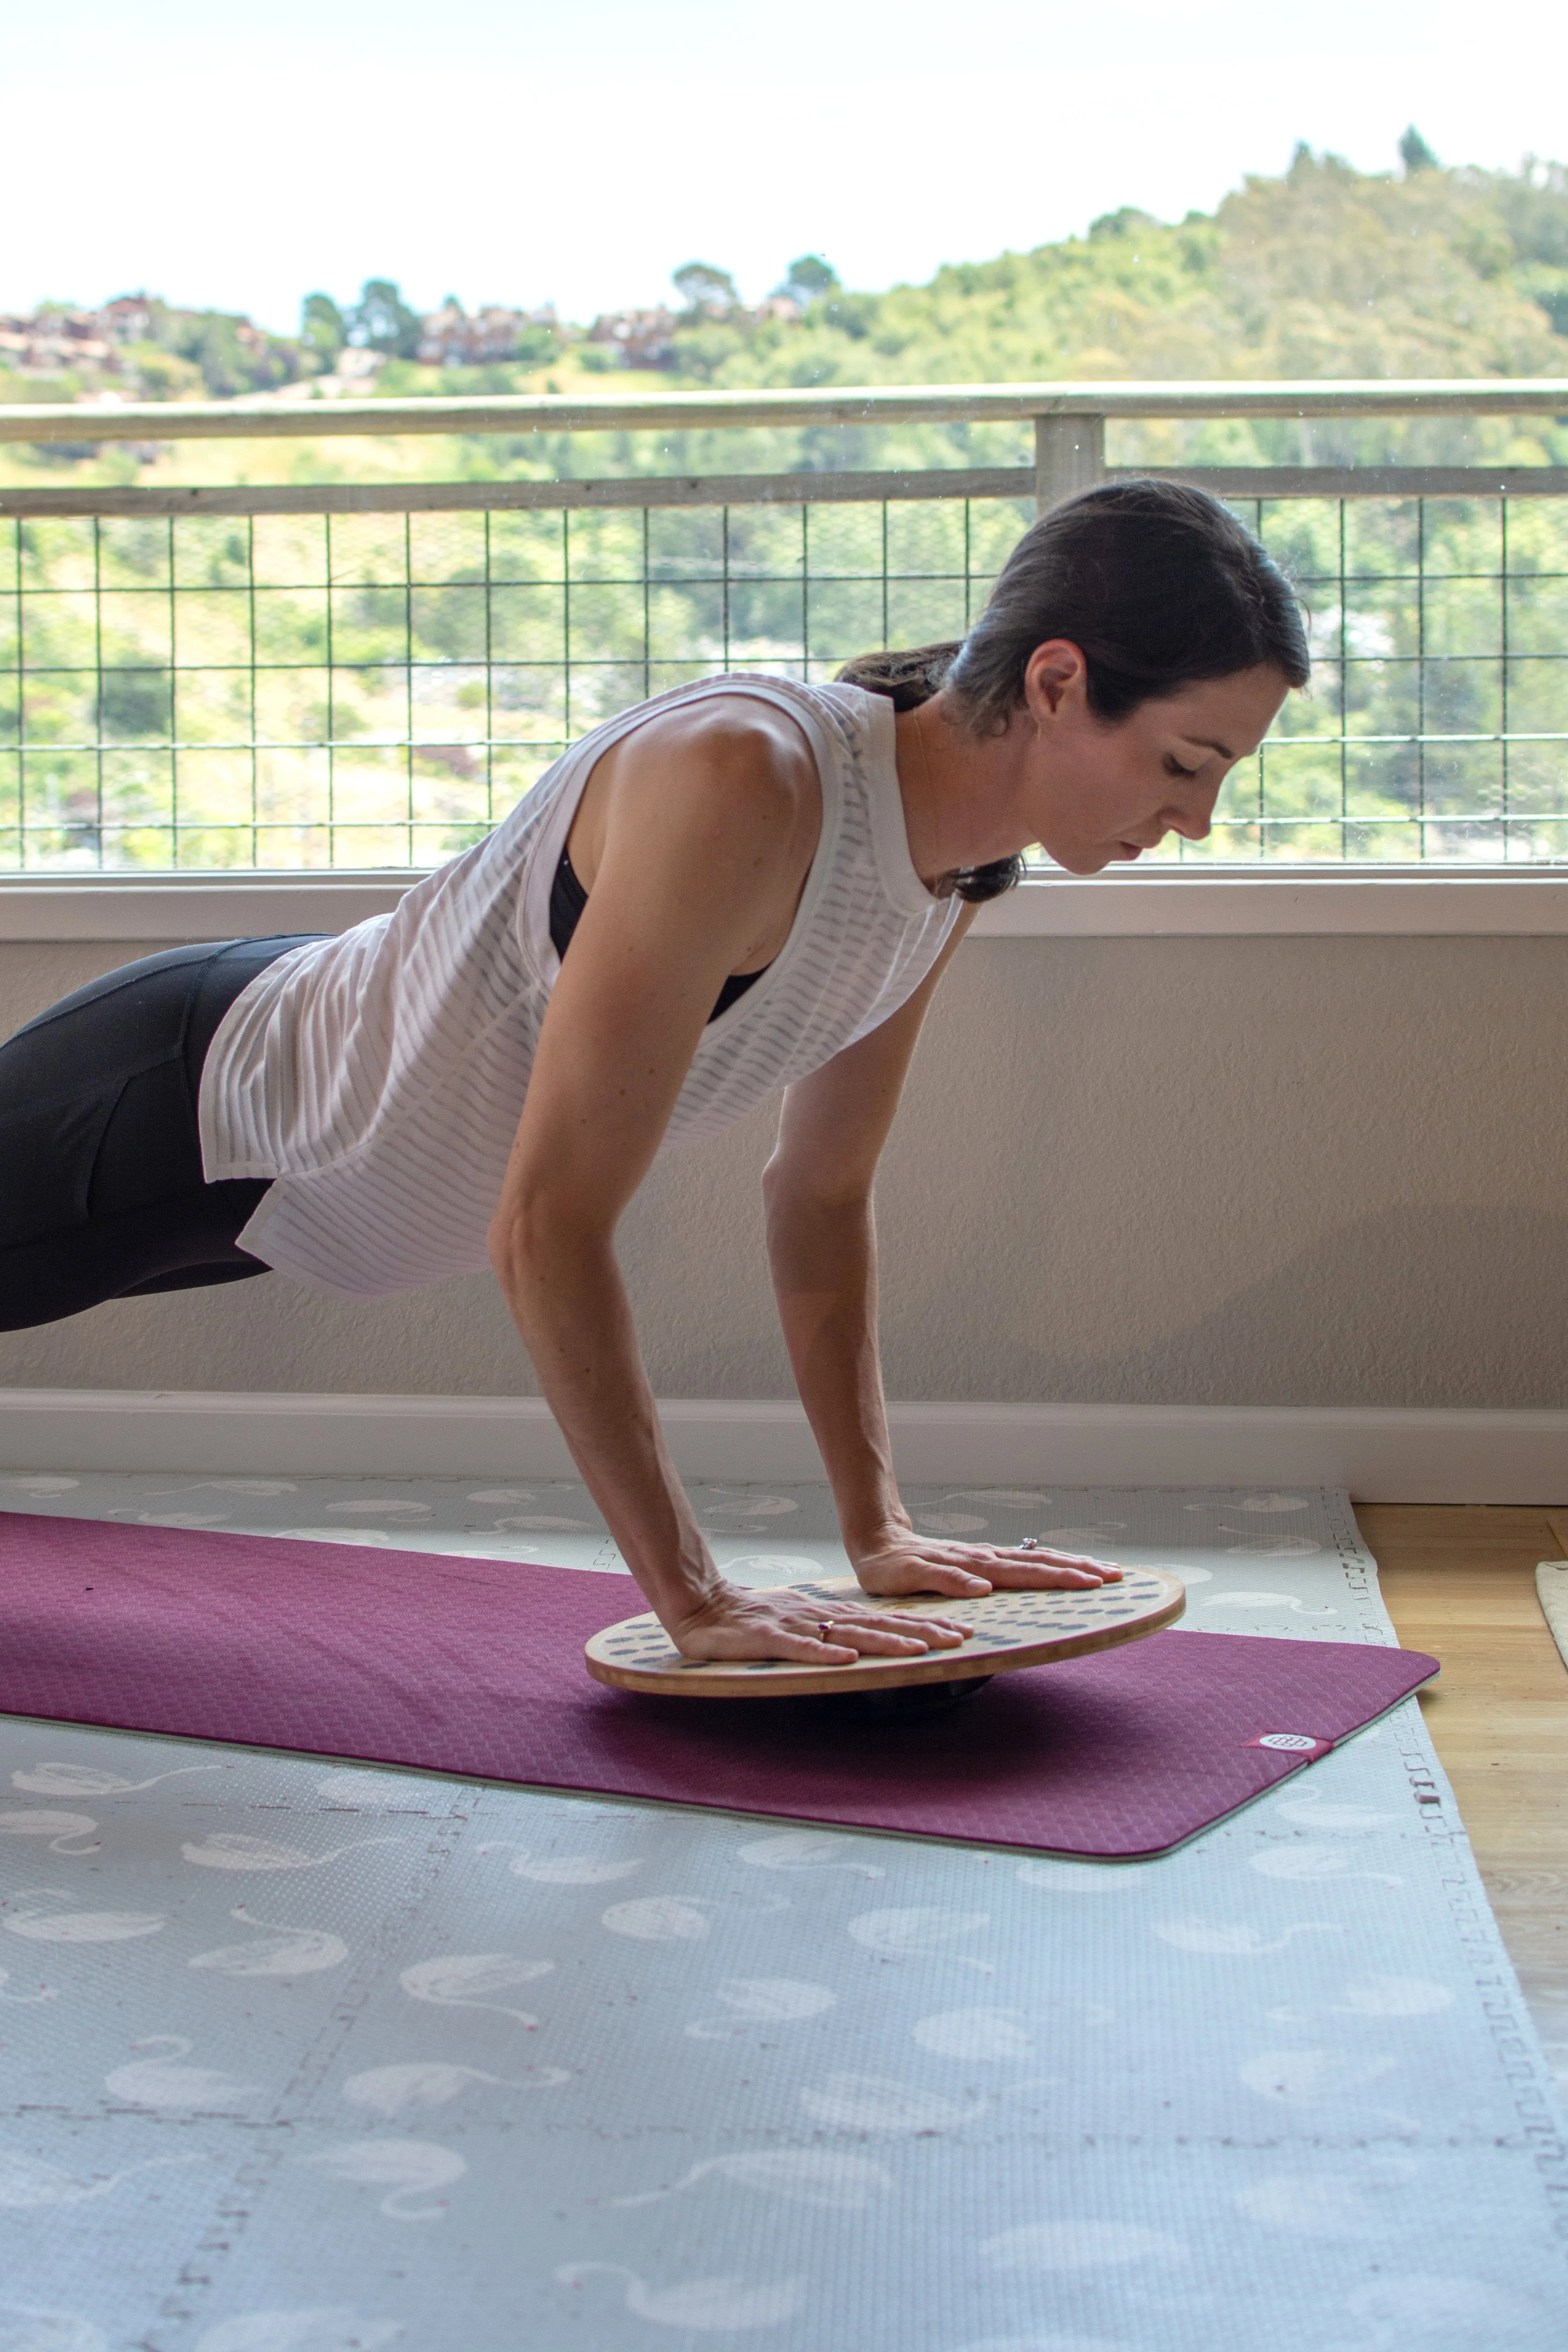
(304, 2056)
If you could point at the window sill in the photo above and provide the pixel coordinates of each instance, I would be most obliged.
(191, 906)
(1190, 902)
(1483, 901)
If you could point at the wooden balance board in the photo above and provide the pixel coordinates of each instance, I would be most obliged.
(1011, 1630)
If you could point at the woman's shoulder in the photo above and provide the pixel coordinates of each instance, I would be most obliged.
(766, 722)
(830, 702)
(734, 721)
(746, 697)
(729, 764)
(776, 732)
(731, 714)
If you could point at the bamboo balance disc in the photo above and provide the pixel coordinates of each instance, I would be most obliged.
(1011, 1630)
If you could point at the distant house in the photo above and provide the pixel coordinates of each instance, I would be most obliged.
(453, 337)
(644, 339)
(54, 338)
(130, 319)
(110, 340)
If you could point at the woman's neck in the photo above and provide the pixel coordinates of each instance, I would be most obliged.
(960, 792)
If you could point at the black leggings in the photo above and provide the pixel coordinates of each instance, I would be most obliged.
(101, 1194)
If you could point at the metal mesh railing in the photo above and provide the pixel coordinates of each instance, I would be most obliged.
(317, 690)
(1437, 728)
(308, 689)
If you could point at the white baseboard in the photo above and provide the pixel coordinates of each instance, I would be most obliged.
(1382, 1454)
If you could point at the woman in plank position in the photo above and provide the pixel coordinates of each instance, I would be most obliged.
(741, 885)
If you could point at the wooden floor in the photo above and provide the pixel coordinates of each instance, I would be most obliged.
(1460, 1583)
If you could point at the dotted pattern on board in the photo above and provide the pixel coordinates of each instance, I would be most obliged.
(1002, 1620)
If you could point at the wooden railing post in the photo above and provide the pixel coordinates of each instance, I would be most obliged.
(1069, 456)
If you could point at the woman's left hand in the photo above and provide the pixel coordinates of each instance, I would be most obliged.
(902, 1561)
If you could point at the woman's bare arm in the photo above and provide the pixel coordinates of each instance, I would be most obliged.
(701, 848)
(821, 1245)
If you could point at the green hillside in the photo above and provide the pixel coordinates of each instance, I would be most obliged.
(1324, 271)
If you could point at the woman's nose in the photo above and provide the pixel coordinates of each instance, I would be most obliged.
(1192, 824)
(1194, 815)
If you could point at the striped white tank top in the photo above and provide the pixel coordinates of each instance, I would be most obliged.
(379, 1077)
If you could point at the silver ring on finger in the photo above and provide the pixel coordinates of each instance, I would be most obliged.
(1029, 1543)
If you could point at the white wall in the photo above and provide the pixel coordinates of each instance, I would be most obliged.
(1264, 1170)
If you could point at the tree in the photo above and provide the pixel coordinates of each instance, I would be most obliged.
(322, 329)
(707, 292)
(381, 321)
(210, 339)
(1533, 203)
(808, 278)
(1414, 153)
(161, 375)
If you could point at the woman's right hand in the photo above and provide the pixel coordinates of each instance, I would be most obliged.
(736, 1621)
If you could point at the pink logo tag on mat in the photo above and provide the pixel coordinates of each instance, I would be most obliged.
(1291, 1743)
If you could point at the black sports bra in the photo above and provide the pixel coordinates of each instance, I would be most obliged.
(567, 900)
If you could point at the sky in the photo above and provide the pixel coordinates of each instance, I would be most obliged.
(575, 151)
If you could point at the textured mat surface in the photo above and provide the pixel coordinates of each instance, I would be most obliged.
(301, 2056)
(476, 1666)
(1551, 1586)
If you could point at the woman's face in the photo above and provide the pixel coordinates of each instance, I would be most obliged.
(1103, 792)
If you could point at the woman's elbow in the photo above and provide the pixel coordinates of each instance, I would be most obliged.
(538, 1228)
(792, 1190)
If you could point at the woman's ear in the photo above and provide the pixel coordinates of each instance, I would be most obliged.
(1054, 673)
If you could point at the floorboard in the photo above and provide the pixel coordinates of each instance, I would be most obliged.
(1460, 1583)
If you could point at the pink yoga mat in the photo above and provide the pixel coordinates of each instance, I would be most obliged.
(476, 1666)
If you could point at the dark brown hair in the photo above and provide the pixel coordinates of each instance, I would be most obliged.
(1156, 583)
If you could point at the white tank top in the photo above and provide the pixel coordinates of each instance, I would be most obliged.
(379, 1077)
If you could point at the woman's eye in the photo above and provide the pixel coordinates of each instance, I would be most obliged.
(1174, 767)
